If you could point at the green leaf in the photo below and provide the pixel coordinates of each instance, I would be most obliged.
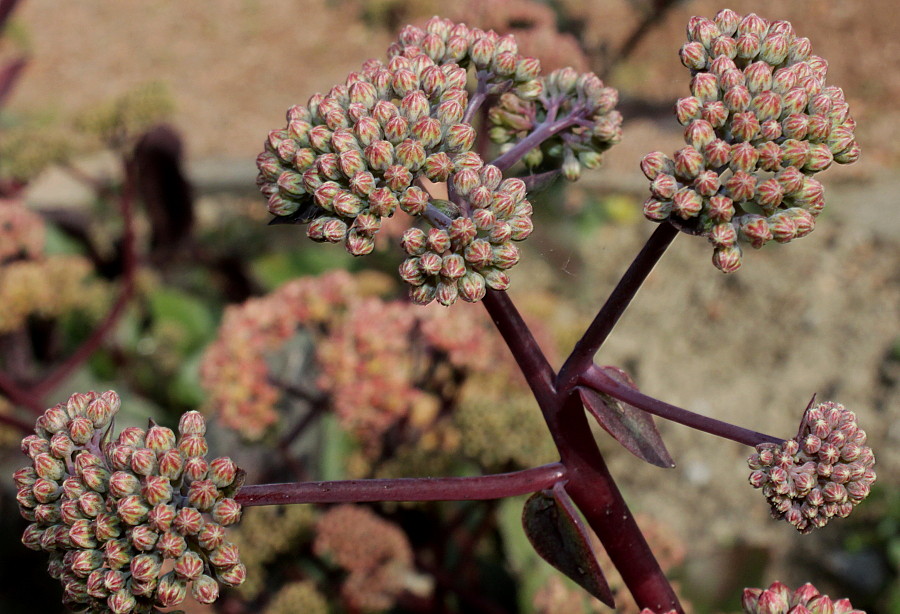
(558, 535)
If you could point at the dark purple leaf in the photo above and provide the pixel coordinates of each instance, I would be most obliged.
(630, 426)
(556, 531)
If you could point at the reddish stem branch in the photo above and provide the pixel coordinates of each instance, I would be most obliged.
(582, 356)
(481, 487)
(129, 268)
(596, 379)
(589, 483)
(19, 396)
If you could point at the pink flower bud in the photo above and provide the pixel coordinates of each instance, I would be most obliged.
(818, 129)
(655, 163)
(121, 602)
(156, 489)
(727, 259)
(747, 46)
(741, 186)
(143, 461)
(744, 126)
(188, 521)
(705, 87)
(755, 229)
(766, 105)
(769, 193)
(715, 113)
(699, 133)
(688, 162)
(693, 55)
(737, 98)
(161, 517)
(720, 209)
(743, 158)
(724, 47)
(81, 429)
(717, 153)
(170, 464)
(687, 203)
(171, 545)
(171, 590)
(723, 235)
(232, 576)
(657, 210)
(727, 21)
(459, 138)
(144, 538)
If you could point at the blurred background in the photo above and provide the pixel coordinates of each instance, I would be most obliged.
(136, 286)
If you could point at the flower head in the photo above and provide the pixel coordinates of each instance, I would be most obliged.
(759, 124)
(111, 512)
(350, 158)
(823, 472)
(779, 599)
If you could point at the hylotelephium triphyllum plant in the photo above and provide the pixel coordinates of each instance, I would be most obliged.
(135, 521)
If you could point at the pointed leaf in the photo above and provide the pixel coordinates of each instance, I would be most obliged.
(630, 426)
(556, 531)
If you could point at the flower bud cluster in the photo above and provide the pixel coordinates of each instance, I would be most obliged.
(581, 102)
(48, 288)
(821, 473)
(21, 232)
(352, 157)
(131, 523)
(375, 553)
(374, 359)
(779, 599)
(472, 253)
(495, 59)
(759, 124)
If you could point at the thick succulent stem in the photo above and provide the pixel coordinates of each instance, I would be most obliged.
(482, 487)
(582, 355)
(596, 379)
(589, 483)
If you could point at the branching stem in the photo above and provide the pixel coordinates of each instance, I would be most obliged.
(482, 487)
(596, 379)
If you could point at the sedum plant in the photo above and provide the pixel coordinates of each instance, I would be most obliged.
(134, 522)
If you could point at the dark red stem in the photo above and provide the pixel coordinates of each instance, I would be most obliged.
(582, 356)
(129, 267)
(481, 487)
(596, 379)
(589, 482)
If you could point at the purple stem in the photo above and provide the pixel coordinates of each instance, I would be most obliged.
(596, 379)
(112, 317)
(544, 131)
(582, 356)
(481, 487)
(589, 482)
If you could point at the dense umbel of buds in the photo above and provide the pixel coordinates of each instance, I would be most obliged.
(579, 108)
(779, 599)
(350, 158)
(759, 124)
(821, 473)
(132, 523)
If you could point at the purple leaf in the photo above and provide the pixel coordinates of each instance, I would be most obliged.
(630, 426)
(558, 535)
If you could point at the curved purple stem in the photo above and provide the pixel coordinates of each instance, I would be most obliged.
(480, 487)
